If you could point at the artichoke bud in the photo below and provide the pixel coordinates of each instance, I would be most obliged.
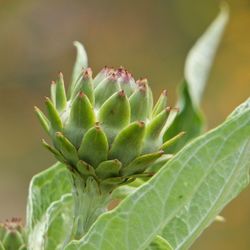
(105, 89)
(108, 128)
(12, 235)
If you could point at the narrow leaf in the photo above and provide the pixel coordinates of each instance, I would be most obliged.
(197, 67)
(80, 63)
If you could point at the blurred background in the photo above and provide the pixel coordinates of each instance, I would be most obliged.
(150, 38)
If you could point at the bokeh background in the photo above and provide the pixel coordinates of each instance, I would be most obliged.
(150, 38)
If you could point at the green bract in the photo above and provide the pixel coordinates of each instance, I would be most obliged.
(107, 127)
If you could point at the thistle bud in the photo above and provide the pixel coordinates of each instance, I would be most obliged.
(108, 129)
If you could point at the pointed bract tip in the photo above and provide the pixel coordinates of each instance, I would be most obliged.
(164, 92)
(60, 74)
(182, 133)
(36, 109)
(142, 89)
(175, 109)
(168, 109)
(47, 99)
(59, 134)
(52, 82)
(97, 127)
(142, 82)
(141, 124)
(81, 94)
(87, 73)
(113, 77)
(122, 93)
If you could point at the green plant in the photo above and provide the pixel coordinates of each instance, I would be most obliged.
(112, 144)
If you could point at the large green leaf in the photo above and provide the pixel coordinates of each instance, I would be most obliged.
(54, 228)
(197, 68)
(45, 188)
(184, 197)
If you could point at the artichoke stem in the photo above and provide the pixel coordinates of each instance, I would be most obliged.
(89, 204)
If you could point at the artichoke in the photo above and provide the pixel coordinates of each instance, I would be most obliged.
(106, 127)
(12, 235)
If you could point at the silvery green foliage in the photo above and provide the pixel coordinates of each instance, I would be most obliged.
(168, 211)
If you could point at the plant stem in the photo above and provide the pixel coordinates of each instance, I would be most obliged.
(89, 204)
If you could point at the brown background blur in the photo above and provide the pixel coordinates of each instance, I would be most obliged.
(150, 38)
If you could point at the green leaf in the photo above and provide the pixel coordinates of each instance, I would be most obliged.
(53, 230)
(184, 197)
(228, 175)
(45, 188)
(197, 67)
(122, 192)
(159, 243)
(80, 64)
(244, 106)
